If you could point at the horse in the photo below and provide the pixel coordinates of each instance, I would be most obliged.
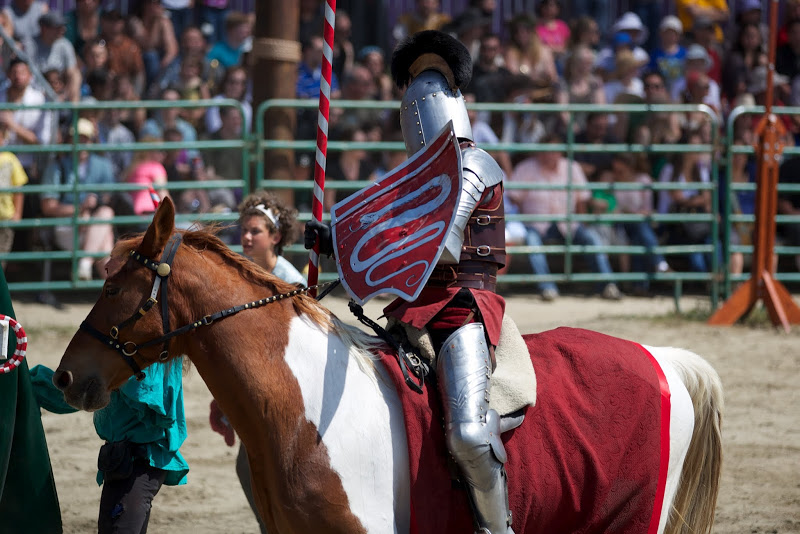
(321, 420)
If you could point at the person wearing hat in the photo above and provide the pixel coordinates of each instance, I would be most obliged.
(458, 303)
(670, 56)
(629, 32)
(92, 169)
(50, 50)
(703, 33)
(631, 24)
(716, 10)
(697, 61)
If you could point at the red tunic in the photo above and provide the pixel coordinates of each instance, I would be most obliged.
(434, 300)
(485, 231)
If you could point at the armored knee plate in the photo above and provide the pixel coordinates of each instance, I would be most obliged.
(472, 430)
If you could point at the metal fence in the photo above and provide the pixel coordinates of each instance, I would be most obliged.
(569, 251)
(253, 146)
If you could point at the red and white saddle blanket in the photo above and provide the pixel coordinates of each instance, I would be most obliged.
(590, 457)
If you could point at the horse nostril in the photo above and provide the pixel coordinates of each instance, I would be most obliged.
(63, 379)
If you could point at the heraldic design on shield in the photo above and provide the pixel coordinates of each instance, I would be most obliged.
(389, 236)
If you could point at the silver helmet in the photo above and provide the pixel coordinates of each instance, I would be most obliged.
(428, 105)
(431, 66)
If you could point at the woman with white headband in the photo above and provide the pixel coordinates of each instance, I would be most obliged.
(266, 227)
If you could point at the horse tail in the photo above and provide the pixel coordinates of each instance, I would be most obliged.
(696, 500)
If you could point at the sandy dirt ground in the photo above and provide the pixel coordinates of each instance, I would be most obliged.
(759, 366)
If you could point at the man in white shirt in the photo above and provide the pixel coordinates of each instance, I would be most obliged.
(30, 126)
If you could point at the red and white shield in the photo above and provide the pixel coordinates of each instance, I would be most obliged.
(389, 235)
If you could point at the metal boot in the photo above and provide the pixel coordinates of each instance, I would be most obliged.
(472, 430)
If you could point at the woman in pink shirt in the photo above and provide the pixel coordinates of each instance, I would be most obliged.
(147, 170)
(552, 31)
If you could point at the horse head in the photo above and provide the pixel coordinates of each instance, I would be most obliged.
(104, 353)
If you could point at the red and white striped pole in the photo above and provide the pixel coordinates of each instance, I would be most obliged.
(322, 136)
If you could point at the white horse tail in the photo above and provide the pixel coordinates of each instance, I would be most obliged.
(695, 503)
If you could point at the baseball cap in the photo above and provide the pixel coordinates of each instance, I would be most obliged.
(698, 52)
(52, 19)
(671, 22)
(85, 127)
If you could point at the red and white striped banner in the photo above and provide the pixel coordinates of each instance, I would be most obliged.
(12, 363)
(154, 196)
(322, 135)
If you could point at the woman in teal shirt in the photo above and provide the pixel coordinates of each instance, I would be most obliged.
(143, 427)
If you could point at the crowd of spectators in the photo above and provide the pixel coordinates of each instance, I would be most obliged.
(573, 53)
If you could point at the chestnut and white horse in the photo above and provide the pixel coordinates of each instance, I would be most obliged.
(321, 420)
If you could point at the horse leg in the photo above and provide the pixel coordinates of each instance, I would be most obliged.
(695, 442)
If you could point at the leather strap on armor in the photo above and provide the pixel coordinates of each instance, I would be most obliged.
(485, 234)
(465, 274)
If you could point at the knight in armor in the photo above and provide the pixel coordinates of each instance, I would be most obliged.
(458, 305)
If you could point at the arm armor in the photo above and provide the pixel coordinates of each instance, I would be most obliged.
(480, 171)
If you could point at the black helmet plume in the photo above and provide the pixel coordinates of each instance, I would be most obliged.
(450, 49)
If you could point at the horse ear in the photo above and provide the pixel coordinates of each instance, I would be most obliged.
(155, 239)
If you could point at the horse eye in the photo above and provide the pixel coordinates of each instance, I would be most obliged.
(111, 291)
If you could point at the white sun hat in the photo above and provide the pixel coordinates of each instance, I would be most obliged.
(630, 21)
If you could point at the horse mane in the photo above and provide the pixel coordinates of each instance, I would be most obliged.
(362, 343)
(201, 240)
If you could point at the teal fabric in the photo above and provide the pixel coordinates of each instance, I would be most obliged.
(149, 412)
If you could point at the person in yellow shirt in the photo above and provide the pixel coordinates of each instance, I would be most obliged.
(715, 10)
(11, 175)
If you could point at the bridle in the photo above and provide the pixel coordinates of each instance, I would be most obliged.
(163, 269)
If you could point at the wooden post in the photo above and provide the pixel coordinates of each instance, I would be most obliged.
(274, 60)
(762, 285)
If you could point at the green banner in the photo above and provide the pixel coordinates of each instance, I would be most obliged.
(28, 498)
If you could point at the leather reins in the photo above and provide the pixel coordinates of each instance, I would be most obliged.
(163, 270)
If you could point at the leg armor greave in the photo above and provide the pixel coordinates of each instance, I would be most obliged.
(472, 430)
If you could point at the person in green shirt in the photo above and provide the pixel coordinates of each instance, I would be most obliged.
(143, 427)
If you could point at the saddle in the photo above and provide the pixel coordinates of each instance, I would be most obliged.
(513, 385)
